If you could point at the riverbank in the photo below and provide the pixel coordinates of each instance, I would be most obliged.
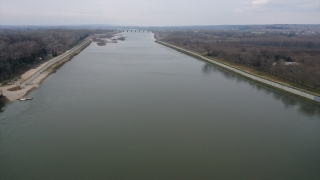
(255, 77)
(34, 77)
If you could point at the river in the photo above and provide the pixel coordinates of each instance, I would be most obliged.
(139, 110)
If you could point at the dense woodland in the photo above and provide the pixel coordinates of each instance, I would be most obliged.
(22, 49)
(287, 55)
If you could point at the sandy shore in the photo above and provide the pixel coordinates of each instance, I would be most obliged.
(15, 95)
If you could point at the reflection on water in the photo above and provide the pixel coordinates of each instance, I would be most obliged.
(2, 103)
(307, 108)
(139, 110)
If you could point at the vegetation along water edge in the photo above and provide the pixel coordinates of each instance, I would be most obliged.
(254, 77)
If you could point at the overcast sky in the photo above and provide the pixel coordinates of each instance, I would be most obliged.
(158, 12)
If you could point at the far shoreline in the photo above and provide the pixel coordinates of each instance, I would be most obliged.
(10, 96)
(25, 86)
(246, 75)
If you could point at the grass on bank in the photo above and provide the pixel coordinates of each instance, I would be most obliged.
(254, 72)
(267, 76)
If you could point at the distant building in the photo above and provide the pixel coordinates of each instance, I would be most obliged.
(286, 63)
(290, 63)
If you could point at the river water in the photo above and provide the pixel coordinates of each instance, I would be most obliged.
(139, 110)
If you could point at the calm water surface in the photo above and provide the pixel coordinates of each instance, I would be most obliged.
(139, 110)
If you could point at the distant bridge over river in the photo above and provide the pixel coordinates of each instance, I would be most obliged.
(136, 31)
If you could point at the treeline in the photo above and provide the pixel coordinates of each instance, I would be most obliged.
(306, 43)
(289, 39)
(295, 59)
(20, 49)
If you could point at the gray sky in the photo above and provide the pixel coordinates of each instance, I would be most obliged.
(158, 12)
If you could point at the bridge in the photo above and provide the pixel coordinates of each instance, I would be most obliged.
(136, 31)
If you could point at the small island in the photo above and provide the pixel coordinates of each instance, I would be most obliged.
(100, 42)
(103, 39)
